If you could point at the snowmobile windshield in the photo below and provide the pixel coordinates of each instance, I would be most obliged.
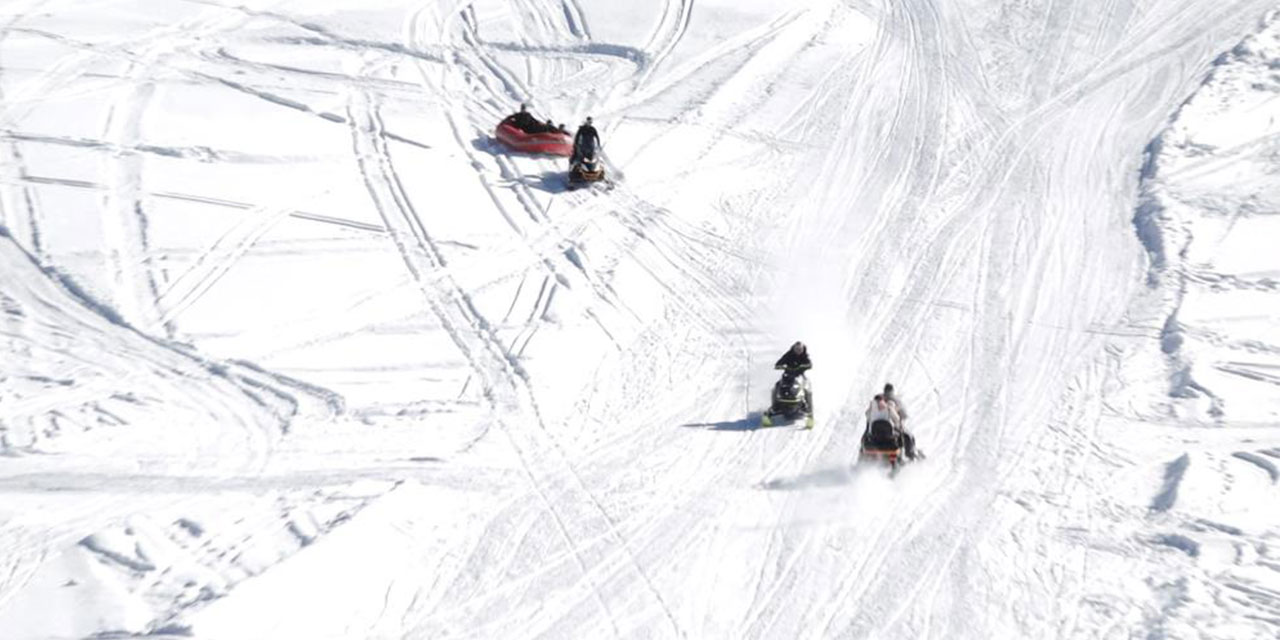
(790, 383)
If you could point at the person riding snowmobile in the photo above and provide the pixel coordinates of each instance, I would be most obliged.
(797, 357)
(894, 403)
(794, 363)
(884, 425)
(882, 409)
(585, 143)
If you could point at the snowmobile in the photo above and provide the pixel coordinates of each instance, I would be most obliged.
(792, 398)
(586, 170)
(882, 444)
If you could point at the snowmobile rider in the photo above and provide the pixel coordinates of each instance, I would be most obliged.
(881, 415)
(797, 359)
(908, 440)
(585, 143)
(882, 409)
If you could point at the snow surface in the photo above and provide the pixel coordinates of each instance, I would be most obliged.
(293, 349)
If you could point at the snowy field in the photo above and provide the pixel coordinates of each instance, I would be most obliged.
(291, 348)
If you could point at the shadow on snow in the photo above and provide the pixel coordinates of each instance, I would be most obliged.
(749, 423)
(548, 181)
(829, 477)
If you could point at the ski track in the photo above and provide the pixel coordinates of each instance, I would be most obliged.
(24, 227)
(961, 198)
(239, 444)
(514, 377)
(536, 213)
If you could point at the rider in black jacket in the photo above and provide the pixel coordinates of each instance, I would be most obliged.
(796, 358)
(585, 142)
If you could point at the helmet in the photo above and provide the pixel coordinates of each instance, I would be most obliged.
(888, 389)
(798, 347)
(588, 119)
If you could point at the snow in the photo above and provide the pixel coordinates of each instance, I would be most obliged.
(292, 349)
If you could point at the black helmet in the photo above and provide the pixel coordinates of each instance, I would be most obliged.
(888, 388)
(588, 119)
(799, 347)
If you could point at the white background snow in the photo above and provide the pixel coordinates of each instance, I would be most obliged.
(290, 348)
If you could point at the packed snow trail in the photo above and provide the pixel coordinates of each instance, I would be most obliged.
(499, 409)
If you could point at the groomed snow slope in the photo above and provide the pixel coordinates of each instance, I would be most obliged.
(293, 349)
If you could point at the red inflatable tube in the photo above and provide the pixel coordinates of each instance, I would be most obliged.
(557, 143)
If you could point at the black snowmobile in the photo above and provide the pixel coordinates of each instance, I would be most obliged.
(792, 399)
(586, 170)
(585, 167)
(882, 444)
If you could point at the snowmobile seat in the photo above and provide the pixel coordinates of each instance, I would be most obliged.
(882, 436)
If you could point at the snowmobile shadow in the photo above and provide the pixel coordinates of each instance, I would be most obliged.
(830, 477)
(749, 423)
(491, 146)
(549, 181)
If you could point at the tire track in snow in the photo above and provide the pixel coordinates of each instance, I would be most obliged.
(501, 377)
(822, 442)
(883, 59)
(422, 257)
(460, 122)
(670, 518)
(917, 178)
(754, 73)
(211, 265)
(208, 200)
(24, 225)
(575, 19)
(125, 223)
(215, 415)
(125, 220)
(671, 28)
(524, 194)
(534, 214)
(858, 583)
(124, 202)
(996, 341)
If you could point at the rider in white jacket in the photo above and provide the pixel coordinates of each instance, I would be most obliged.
(882, 409)
(887, 407)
